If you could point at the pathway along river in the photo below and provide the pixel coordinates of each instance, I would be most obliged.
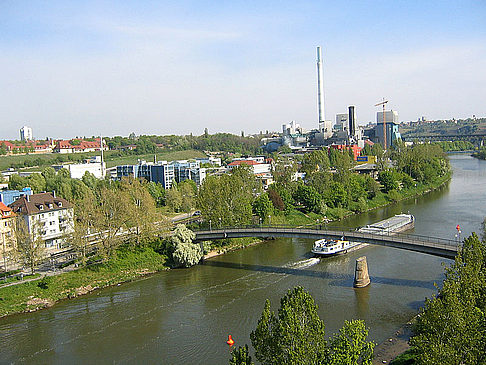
(184, 316)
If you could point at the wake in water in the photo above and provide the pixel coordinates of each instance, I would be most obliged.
(302, 264)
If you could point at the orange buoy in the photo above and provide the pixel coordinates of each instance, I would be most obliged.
(230, 341)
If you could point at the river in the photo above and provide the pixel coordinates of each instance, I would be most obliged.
(184, 316)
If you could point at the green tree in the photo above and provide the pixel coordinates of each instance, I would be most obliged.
(29, 244)
(227, 199)
(389, 180)
(350, 346)
(294, 336)
(241, 356)
(263, 207)
(173, 199)
(315, 161)
(451, 327)
(142, 212)
(309, 198)
(184, 251)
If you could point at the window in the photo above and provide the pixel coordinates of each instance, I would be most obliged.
(41, 207)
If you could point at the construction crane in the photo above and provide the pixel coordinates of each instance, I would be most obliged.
(383, 103)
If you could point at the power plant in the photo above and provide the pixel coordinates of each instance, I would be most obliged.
(346, 132)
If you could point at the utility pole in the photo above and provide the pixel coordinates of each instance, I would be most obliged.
(383, 103)
(102, 160)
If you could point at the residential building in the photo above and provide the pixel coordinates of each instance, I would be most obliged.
(263, 167)
(161, 172)
(7, 197)
(78, 145)
(214, 161)
(188, 170)
(7, 235)
(26, 134)
(46, 215)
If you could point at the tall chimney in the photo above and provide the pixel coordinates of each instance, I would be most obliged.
(352, 120)
(320, 89)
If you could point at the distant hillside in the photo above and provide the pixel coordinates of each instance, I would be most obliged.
(461, 127)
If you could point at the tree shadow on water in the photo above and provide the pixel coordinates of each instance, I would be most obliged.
(344, 280)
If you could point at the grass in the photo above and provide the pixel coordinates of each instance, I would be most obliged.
(407, 358)
(111, 158)
(17, 278)
(127, 265)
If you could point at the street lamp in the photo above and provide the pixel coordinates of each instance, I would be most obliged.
(210, 225)
(269, 220)
(220, 222)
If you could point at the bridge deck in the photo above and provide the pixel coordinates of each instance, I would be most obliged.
(430, 245)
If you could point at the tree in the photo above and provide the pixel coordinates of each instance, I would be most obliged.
(308, 197)
(142, 212)
(185, 252)
(227, 199)
(294, 336)
(241, 356)
(350, 345)
(111, 218)
(173, 199)
(263, 207)
(85, 216)
(315, 161)
(29, 244)
(389, 180)
(451, 326)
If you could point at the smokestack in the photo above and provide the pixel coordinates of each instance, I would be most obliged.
(352, 120)
(320, 89)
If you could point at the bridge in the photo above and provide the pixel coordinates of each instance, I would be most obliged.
(423, 244)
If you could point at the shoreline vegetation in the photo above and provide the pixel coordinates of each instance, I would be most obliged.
(129, 264)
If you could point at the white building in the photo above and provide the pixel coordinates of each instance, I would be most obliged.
(47, 215)
(26, 134)
(77, 170)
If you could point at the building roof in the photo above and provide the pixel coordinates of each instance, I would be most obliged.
(37, 203)
(5, 212)
(244, 162)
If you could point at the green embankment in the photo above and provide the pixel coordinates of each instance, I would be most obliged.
(298, 218)
(126, 266)
(112, 158)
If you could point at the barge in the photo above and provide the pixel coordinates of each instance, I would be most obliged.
(395, 224)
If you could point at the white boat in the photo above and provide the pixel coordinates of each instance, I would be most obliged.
(326, 247)
(398, 223)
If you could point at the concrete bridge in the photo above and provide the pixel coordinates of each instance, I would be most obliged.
(423, 244)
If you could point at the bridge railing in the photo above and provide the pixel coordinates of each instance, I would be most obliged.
(343, 231)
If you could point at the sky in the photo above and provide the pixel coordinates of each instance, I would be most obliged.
(71, 68)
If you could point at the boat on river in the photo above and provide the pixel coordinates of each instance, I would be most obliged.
(389, 226)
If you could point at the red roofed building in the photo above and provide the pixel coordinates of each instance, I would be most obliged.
(7, 238)
(77, 145)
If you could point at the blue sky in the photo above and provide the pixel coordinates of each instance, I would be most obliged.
(74, 68)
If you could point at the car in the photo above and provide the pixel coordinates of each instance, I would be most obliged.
(197, 212)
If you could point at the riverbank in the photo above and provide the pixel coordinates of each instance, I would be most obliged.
(127, 265)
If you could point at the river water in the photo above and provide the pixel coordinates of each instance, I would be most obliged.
(184, 316)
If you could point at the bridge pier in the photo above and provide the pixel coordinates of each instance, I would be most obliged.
(361, 276)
